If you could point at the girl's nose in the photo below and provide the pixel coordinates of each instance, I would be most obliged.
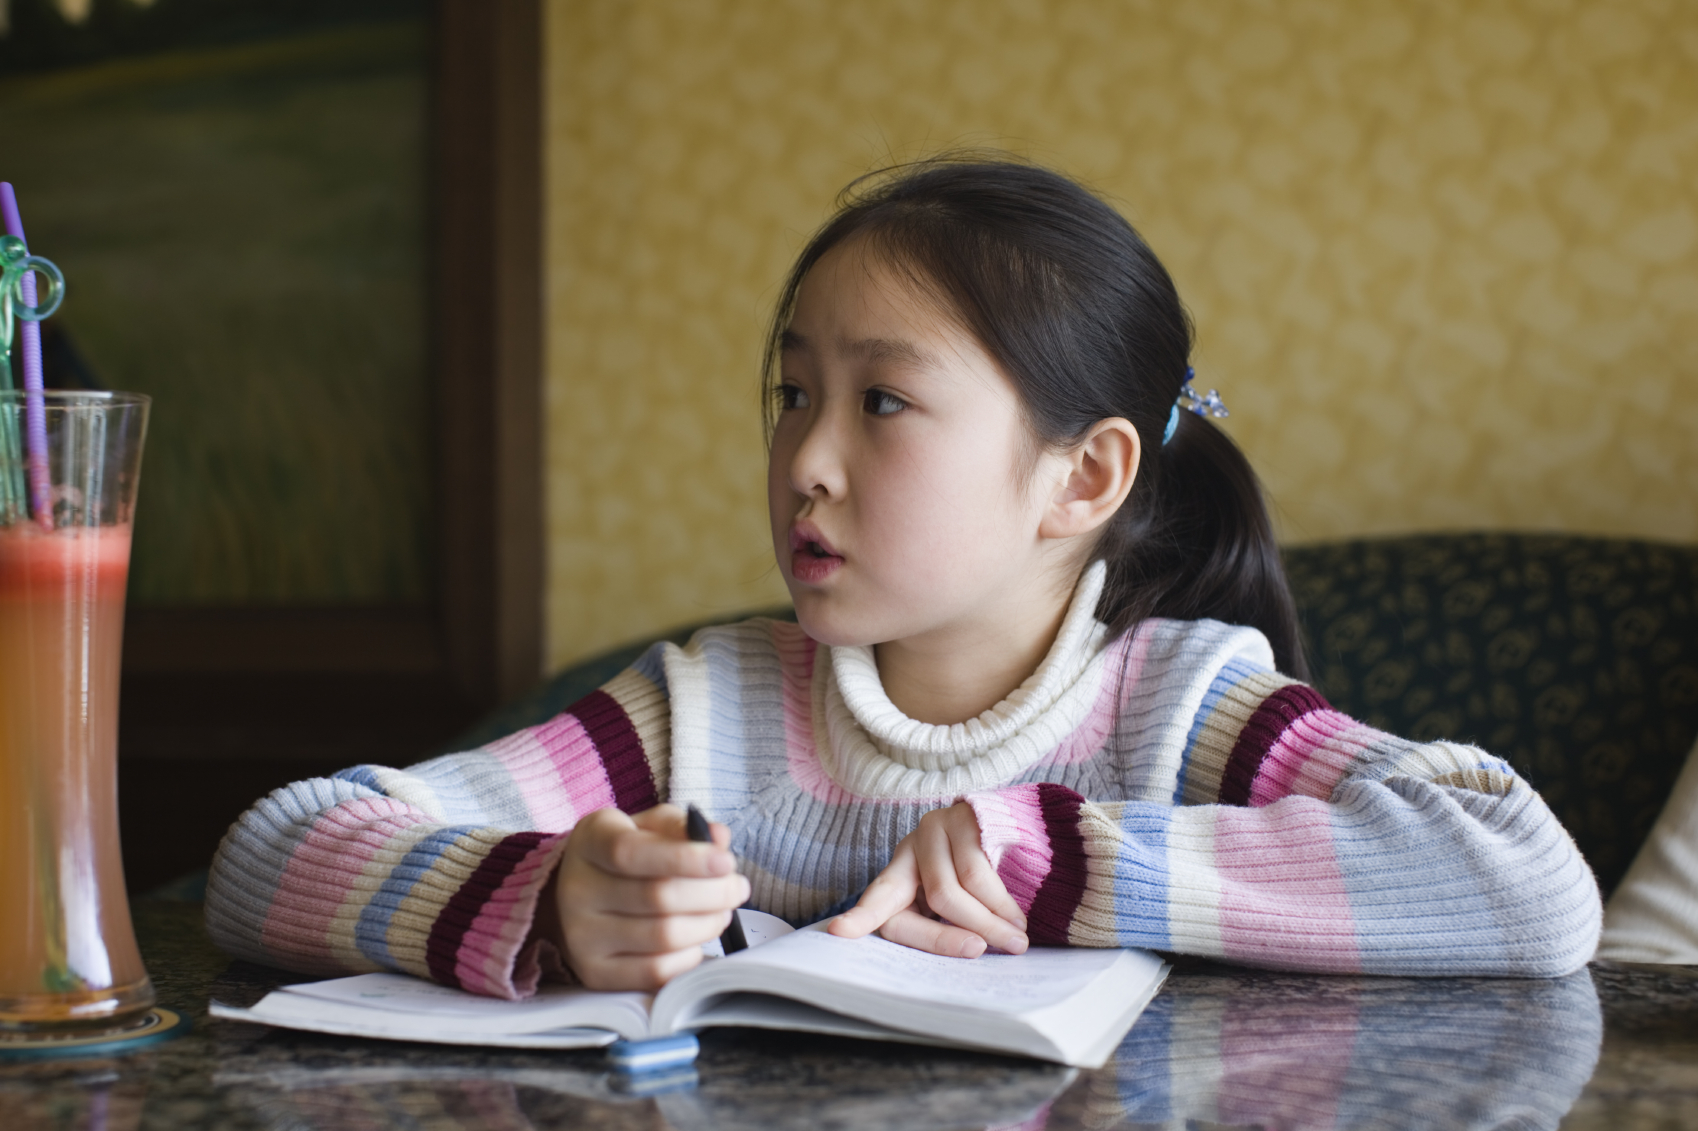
(816, 468)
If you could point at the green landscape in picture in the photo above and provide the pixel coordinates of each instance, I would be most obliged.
(242, 233)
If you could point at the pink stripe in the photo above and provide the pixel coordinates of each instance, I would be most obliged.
(1011, 831)
(1121, 668)
(796, 658)
(484, 963)
(1299, 758)
(581, 778)
(536, 780)
(1283, 899)
(323, 867)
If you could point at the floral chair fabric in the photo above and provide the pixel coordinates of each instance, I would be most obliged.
(1574, 658)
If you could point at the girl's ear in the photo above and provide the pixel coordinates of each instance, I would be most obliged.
(1096, 476)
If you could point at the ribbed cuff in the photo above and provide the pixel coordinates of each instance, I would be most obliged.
(1031, 834)
(481, 940)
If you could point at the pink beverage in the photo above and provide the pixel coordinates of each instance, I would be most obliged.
(61, 637)
(68, 956)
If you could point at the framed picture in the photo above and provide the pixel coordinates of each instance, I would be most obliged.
(310, 230)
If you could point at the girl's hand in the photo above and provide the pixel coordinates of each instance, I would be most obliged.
(634, 899)
(939, 893)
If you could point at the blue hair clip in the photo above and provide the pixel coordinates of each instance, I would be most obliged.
(1210, 405)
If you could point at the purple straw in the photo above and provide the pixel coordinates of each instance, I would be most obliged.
(35, 407)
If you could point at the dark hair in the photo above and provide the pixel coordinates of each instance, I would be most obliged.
(1059, 288)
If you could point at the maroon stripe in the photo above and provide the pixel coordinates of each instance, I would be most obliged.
(442, 949)
(1277, 712)
(1058, 896)
(621, 751)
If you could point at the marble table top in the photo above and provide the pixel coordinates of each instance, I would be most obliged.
(1612, 1046)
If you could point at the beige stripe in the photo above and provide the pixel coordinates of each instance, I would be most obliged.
(1433, 760)
(1094, 919)
(1478, 780)
(650, 713)
(1220, 733)
(1196, 1069)
(409, 926)
(692, 702)
(339, 932)
(1193, 883)
(409, 790)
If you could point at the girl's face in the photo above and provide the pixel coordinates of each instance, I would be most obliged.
(903, 500)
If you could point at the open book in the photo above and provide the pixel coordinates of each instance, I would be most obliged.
(1063, 1005)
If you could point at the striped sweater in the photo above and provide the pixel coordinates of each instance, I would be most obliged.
(1165, 789)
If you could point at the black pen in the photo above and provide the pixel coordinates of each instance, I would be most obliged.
(696, 828)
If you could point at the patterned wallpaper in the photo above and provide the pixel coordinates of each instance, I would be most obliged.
(1442, 254)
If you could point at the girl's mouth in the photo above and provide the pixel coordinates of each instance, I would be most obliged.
(812, 558)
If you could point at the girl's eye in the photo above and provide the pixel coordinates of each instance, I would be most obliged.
(790, 396)
(880, 403)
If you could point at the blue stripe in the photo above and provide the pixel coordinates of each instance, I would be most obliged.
(1141, 876)
(1408, 927)
(775, 842)
(651, 665)
(371, 933)
(1144, 1063)
(360, 775)
(745, 689)
(1232, 673)
(249, 866)
(494, 800)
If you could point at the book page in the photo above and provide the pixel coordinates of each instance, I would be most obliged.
(294, 1011)
(552, 1007)
(404, 993)
(999, 983)
(1071, 1005)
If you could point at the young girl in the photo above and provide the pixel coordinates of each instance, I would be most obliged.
(1034, 694)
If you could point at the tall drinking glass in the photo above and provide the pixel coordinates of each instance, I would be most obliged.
(68, 956)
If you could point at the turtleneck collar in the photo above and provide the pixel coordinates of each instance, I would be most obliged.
(872, 749)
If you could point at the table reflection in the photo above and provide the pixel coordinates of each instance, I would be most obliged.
(1218, 1047)
(92, 1095)
(1249, 1050)
(744, 1080)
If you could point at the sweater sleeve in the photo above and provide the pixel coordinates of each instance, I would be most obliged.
(1303, 840)
(436, 870)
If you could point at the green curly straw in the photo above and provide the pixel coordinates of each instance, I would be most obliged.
(19, 274)
(13, 508)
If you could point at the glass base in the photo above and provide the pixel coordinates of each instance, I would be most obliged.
(141, 1031)
(76, 1012)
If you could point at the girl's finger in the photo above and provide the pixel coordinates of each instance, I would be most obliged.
(670, 821)
(665, 819)
(636, 851)
(623, 896)
(947, 898)
(630, 936)
(890, 892)
(975, 872)
(910, 928)
(647, 972)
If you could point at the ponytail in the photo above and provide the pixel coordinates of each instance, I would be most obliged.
(1087, 324)
(1195, 540)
